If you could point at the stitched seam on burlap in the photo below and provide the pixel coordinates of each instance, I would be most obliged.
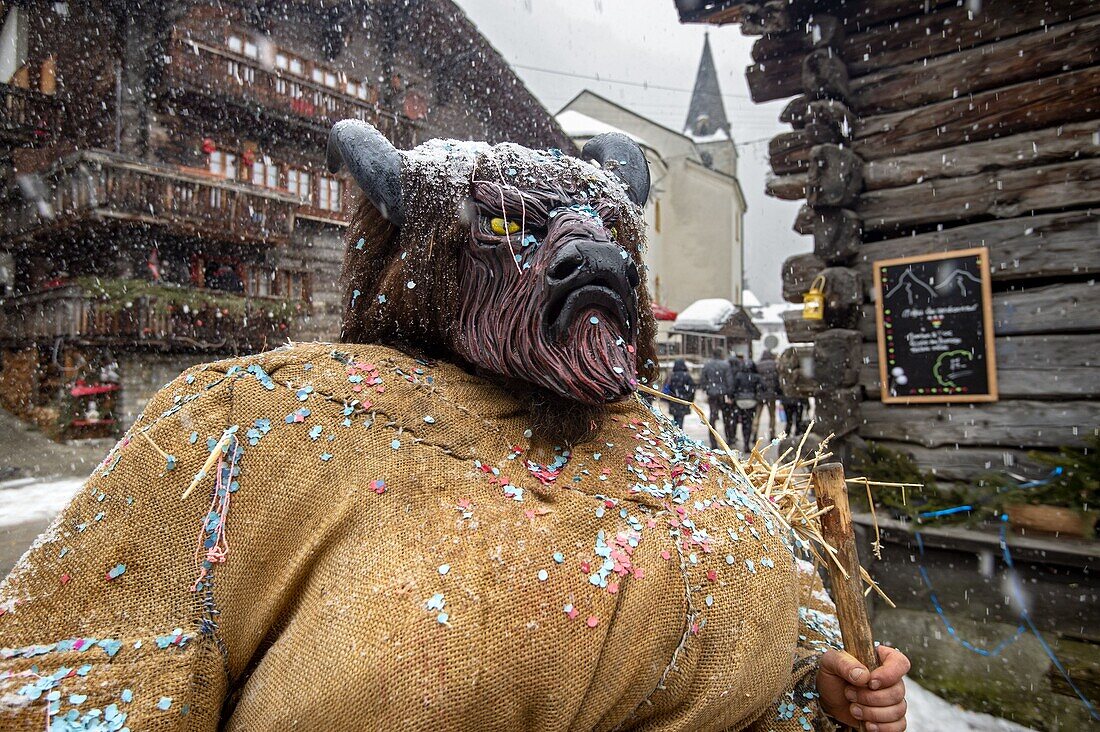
(689, 620)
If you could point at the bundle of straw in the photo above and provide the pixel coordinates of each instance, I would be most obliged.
(785, 484)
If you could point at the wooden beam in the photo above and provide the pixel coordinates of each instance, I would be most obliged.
(1049, 245)
(822, 31)
(962, 463)
(1040, 367)
(835, 177)
(1051, 50)
(837, 235)
(1031, 105)
(792, 378)
(949, 30)
(838, 355)
(798, 273)
(774, 79)
(1010, 423)
(789, 152)
(1001, 193)
(786, 187)
(800, 330)
(1066, 307)
(824, 76)
(1052, 145)
(837, 411)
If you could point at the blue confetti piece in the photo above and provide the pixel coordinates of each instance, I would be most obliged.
(361, 243)
(304, 393)
(170, 462)
(444, 569)
(543, 575)
(326, 456)
(429, 419)
(381, 299)
(594, 320)
(559, 557)
(435, 602)
(355, 296)
(410, 284)
(116, 571)
(395, 444)
(315, 432)
(127, 695)
(165, 703)
(193, 438)
(78, 698)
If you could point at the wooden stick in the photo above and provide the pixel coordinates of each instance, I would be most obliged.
(836, 529)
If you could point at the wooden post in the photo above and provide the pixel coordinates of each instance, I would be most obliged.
(836, 529)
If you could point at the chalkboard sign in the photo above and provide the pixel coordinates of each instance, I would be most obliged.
(935, 328)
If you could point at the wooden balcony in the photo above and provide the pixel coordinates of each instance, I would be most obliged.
(137, 314)
(223, 76)
(25, 115)
(96, 187)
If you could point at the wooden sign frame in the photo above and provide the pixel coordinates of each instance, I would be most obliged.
(982, 253)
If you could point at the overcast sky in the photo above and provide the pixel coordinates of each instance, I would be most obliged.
(646, 61)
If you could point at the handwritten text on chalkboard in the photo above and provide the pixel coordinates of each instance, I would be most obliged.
(935, 328)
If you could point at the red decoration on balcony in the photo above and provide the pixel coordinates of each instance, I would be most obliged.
(415, 106)
(660, 312)
(83, 388)
(208, 145)
(248, 157)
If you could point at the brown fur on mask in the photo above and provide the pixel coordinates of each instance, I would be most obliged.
(402, 284)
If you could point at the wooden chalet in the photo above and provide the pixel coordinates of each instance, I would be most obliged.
(164, 197)
(924, 126)
(927, 129)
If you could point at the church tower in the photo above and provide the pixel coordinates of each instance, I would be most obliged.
(706, 121)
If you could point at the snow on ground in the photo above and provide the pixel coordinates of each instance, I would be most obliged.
(26, 499)
(929, 713)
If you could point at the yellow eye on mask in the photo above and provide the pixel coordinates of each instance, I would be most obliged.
(501, 227)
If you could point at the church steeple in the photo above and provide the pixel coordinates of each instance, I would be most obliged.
(707, 113)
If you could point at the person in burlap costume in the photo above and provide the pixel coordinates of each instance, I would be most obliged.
(459, 517)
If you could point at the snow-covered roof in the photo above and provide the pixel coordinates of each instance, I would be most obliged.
(577, 124)
(719, 136)
(705, 315)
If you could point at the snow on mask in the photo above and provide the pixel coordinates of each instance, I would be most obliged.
(522, 263)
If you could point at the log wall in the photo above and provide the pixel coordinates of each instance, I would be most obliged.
(923, 126)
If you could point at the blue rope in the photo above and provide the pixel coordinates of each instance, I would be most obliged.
(1025, 625)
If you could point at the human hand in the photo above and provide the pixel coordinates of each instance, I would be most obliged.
(851, 695)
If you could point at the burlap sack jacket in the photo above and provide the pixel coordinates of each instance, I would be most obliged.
(378, 545)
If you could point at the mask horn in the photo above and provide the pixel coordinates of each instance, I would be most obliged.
(372, 161)
(623, 157)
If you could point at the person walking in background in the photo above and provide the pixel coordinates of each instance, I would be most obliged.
(768, 370)
(682, 386)
(716, 377)
(793, 406)
(746, 399)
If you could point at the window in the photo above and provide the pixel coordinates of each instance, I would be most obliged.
(259, 281)
(281, 61)
(329, 190)
(265, 173)
(251, 50)
(235, 44)
(330, 79)
(223, 164)
(318, 76)
(296, 66)
(297, 182)
(358, 89)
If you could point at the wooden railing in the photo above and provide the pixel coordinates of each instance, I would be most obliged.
(25, 115)
(95, 185)
(70, 312)
(221, 73)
